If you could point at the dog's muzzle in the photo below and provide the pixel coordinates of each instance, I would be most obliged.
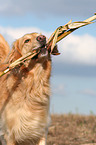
(43, 49)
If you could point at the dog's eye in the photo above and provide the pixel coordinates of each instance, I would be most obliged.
(27, 40)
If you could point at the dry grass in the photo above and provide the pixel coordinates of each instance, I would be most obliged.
(72, 130)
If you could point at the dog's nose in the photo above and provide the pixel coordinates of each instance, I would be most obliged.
(41, 39)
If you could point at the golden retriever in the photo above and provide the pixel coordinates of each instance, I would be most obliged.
(25, 94)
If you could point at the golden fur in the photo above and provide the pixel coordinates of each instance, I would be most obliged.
(4, 49)
(24, 96)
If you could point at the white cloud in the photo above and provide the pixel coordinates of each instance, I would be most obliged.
(78, 49)
(11, 34)
(74, 49)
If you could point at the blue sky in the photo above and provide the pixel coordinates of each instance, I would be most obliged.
(73, 78)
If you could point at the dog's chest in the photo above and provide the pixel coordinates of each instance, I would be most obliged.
(25, 122)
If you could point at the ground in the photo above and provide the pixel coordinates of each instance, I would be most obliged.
(72, 130)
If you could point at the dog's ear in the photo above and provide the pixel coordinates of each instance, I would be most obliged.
(15, 53)
(55, 51)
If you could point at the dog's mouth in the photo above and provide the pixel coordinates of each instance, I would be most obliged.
(43, 52)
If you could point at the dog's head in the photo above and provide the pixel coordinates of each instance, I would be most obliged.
(28, 43)
(32, 41)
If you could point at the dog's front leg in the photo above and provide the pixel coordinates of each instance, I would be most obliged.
(42, 141)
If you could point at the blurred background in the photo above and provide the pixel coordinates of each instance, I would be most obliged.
(73, 79)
